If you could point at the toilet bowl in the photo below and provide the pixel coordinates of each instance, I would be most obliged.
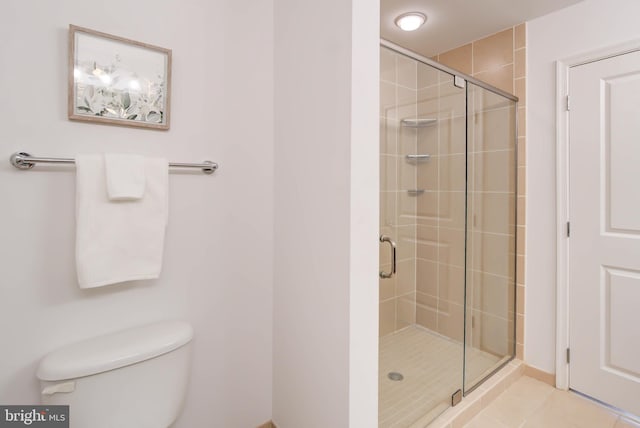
(134, 378)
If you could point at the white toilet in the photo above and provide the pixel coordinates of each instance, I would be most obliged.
(134, 378)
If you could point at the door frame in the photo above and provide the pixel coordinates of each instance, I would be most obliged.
(563, 67)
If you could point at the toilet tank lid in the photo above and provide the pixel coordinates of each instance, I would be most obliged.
(114, 350)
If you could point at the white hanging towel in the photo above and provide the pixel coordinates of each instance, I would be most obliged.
(119, 240)
(126, 176)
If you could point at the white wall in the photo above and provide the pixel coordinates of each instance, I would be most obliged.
(364, 255)
(218, 263)
(326, 213)
(584, 27)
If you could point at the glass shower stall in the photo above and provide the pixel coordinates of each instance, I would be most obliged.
(448, 153)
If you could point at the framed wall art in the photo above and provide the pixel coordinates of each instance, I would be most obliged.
(118, 81)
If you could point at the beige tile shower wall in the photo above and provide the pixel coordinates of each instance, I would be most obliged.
(500, 59)
(398, 93)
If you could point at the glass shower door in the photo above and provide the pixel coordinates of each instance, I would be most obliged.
(491, 234)
(422, 211)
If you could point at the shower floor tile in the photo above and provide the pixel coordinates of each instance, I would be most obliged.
(432, 369)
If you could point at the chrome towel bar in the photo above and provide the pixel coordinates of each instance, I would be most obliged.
(22, 160)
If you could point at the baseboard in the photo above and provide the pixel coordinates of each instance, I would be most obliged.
(542, 376)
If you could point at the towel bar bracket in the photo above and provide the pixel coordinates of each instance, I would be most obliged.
(18, 160)
(22, 160)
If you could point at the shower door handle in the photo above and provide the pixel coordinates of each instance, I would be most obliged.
(383, 274)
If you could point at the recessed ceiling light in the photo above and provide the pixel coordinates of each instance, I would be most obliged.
(410, 21)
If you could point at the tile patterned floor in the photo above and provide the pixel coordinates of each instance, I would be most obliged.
(529, 403)
(432, 370)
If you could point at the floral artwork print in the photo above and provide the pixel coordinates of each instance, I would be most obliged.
(119, 81)
(114, 92)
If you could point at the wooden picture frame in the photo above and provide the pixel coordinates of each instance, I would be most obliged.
(118, 81)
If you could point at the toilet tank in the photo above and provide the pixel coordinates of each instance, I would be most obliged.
(134, 378)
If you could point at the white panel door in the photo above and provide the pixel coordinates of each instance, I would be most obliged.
(604, 247)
